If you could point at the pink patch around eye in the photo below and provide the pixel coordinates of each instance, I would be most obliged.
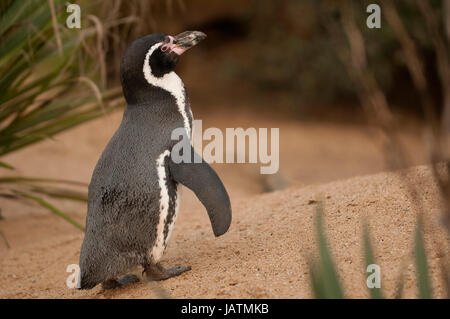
(171, 47)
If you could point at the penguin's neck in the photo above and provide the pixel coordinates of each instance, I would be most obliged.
(171, 83)
(147, 92)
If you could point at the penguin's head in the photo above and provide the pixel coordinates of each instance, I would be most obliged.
(149, 59)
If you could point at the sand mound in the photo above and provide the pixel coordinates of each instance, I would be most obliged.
(264, 255)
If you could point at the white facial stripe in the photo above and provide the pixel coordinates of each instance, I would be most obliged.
(170, 82)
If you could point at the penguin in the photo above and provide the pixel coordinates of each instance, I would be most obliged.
(135, 189)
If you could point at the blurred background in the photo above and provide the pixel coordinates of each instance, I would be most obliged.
(309, 68)
(336, 88)
(348, 100)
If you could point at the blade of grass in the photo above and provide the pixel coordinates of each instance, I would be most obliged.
(329, 283)
(39, 20)
(399, 286)
(51, 130)
(60, 193)
(317, 284)
(6, 165)
(423, 279)
(15, 180)
(51, 208)
(55, 26)
(445, 273)
(375, 292)
(5, 240)
(16, 12)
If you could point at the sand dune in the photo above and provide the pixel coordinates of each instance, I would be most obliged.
(265, 252)
(264, 255)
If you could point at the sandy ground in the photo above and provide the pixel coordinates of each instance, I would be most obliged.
(265, 253)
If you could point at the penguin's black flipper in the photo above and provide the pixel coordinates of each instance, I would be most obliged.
(209, 189)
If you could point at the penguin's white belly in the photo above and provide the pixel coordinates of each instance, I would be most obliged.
(160, 244)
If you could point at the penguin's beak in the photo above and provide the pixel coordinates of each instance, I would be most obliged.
(182, 42)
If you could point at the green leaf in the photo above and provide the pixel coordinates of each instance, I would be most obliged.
(51, 208)
(400, 283)
(324, 277)
(424, 285)
(16, 12)
(44, 93)
(369, 257)
(445, 273)
(5, 165)
(317, 283)
(19, 179)
(61, 193)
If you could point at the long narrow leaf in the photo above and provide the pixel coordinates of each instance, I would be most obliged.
(6, 165)
(423, 279)
(51, 208)
(325, 277)
(400, 282)
(369, 257)
(60, 193)
(17, 179)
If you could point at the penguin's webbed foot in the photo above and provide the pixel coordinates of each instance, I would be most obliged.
(122, 281)
(157, 272)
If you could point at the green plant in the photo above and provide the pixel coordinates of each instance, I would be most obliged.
(375, 293)
(423, 277)
(324, 276)
(47, 80)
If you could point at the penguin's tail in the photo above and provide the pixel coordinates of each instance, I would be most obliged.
(85, 281)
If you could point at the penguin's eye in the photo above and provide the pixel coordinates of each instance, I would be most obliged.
(165, 47)
(168, 44)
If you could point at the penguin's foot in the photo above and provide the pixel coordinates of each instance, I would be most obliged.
(157, 272)
(122, 281)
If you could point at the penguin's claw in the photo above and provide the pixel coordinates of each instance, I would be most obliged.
(177, 270)
(122, 281)
(110, 284)
(157, 272)
(128, 279)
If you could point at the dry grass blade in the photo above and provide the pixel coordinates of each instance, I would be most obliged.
(412, 60)
(56, 27)
(100, 52)
(442, 57)
(5, 240)
(95, 90)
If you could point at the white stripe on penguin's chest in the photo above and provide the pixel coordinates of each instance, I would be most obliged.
(164, 204)
(175, 215)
